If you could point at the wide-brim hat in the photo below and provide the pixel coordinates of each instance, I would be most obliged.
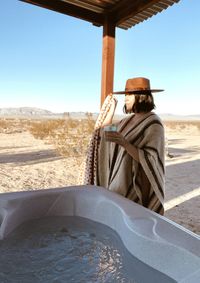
(138, 86)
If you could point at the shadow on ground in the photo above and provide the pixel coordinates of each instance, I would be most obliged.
(28, 158)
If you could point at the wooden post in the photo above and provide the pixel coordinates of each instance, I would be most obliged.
(108, 58)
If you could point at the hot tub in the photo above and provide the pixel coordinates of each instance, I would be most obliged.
(168, 249)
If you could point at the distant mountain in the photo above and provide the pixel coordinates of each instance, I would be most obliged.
(33, 112)
(36, 113)
(167, 116)
(25, 112)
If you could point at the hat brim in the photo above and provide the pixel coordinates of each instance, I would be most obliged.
(138, 91)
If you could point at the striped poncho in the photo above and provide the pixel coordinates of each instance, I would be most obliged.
(120, 173)
(110, 165)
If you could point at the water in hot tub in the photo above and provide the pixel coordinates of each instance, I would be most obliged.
(70, 249)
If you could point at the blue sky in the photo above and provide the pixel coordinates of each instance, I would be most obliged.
(53, 61)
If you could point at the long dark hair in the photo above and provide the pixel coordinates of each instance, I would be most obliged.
(143, 103)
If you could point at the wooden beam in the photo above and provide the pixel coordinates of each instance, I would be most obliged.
(108, 58)
(126, 9)
(69, 9)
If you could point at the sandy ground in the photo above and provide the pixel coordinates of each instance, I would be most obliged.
(182, 203)
(29, 164)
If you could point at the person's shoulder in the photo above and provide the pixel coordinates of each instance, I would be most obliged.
(156, 118)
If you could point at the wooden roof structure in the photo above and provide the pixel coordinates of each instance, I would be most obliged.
(109, 14)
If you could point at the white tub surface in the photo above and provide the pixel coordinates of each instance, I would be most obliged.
(153, 239)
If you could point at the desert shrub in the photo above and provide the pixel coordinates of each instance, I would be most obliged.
(13, 125)
(69, 136)
(182, 124)
(3, 124)
(73, 138)
(45, 128)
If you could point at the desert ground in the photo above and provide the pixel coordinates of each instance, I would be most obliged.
(30, 163)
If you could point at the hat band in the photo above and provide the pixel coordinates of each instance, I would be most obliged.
(138, 89)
